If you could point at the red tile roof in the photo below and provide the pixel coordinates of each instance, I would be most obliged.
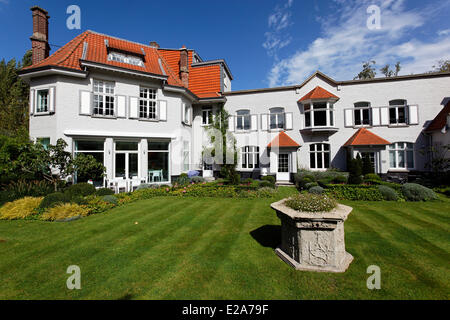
(204, 81)
(283, 140)
(364, 137)
(318, 93)
(440, 121)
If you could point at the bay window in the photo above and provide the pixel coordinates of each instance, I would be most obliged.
(401, 155)
(103, 98)
(277, 120)
(147, 104)
(319, 114)
(250, 157)
(362, 114)
(319, 155)
(243, 120)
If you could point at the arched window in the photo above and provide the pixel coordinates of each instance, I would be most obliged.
(401, 155)
(250, 157)
(398, 111)
(319, 156)
(277, 118)
(243, 120)
(362, 113)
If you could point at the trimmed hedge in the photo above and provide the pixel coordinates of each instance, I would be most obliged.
(80, 189)
(354, 192)
(316, 190)
(104, 192)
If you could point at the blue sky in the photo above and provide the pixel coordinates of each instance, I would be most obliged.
(265, 43)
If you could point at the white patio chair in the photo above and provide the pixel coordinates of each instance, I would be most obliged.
(157, 175)
(121, 184)
(136, 182)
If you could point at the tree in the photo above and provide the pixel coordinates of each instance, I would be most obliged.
(442, 66)
(386, 70)
(367, 166)
(439, 162)
(223, 146)
(14, 98)
(355, 171)
(368, 71)
(86, 167)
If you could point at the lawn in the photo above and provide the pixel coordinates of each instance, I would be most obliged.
(190, 248)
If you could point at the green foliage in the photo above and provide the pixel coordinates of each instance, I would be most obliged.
(248, 181)
(99, 204)
(303, 178)
(87, 168)
(54, 199)
(311, 203)
(340, 179)
(388, 193)
(309, 185)
(271, 179)
(355, 171)
(367, 166)
(183, 179)
(104, 192)
(354, 192)
(266, 184)
(443, 190)
(197, 179)
(266, 192)
(80, 189)
(368, 71)
(416, 192)
(21, 188)
(316, 190)
(110, 199)
(64, 211)
(442, 66)
(20, 209)
(372, 177)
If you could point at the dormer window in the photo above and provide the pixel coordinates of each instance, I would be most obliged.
(126, 58)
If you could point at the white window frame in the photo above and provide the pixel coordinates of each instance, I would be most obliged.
(208, 112)
(126, 58)
(279, 114)
(329, 113)
(103, 92)
(320, 153)
(77, 151)
(397, 107)
(408, 147)
(247, 153)
(186, 156)
(240, 120)
(39, 101)
(148, 104)
(360, 110)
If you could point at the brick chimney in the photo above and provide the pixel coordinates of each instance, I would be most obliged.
(154, 44)
(39, 39)
(184, 67)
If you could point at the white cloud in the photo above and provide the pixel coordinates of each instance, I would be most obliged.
(279, 20)
(443, 32)
(346, 42)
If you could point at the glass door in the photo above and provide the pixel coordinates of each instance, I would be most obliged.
(283, 167)
(126, 160)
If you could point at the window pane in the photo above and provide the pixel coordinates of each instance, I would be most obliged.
(312, 160)
(132, 165)
(402, 115)
(327, 159)
(124, 146)
(410, 157)
(45, 142)
(307, 119)
(89, 145)
(392, 161)
(320, 118)
(401, 159)
(358, 117)
(392, 115)
(366, 116)
(247, 123)
(158, 166)
(155, 145)
(319, 160)
(120, 165)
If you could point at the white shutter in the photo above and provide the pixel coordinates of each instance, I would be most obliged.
(289, 121)
(133, 112)
(254, 122)
(85, 102)
(32, 100)
(183, 112)
(375, 116)
(51, 99)
(121, 106)
(413, 115)
(162, 110)
(348, 113)
(264, 122)
(231, 123)
(384, 116)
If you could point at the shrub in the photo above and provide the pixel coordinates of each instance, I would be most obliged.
(340, 179)
(316, 190)
(367, 166)
(271, 179)
(354, 192)
(21, 188)
(266, 184)
(80, 189)
(65, 211)
(20, 209)
(248, 181)
(197, 179)
(266, 192)
(355, 169)
(311, 203)
(301, 179)
(372, 177)
(443, 190)
(110, 199)
(309, 185)
(104, 192)
(98, 205)
(183, 179)
(416, 192)
(54, 199)
(388, 193)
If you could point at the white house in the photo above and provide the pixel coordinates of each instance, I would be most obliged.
(142, 111)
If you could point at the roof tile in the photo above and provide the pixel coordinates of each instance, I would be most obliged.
(282, 140)
(318, 93)
(364, 137)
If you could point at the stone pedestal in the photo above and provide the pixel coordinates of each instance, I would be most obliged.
(313, 241)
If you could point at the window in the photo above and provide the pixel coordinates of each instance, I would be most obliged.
(147, 103)
(397, 112)
(319, 155)
(401, 155)
(186, 155)
(187, 114)
(283, 162)
(42, 101)
(362, 114)
(250, 157)
(158, 161)
(206, 115)
(319, 114)
(124, 58)
(103, 98)
(243, 121)
(45, 142)
(277, 118)
(90, 148)
(126, 159)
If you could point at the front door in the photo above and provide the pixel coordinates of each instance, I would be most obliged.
(283, 172)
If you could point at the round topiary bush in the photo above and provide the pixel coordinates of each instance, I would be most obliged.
(316, 190)
(310, 185)
(388, 193)
(266, 184)
(197, 179)
(311, 203)
(54, 199)
(104, 192)
(110, 199)
(80, 189)
(417, 192)
(271, 179)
